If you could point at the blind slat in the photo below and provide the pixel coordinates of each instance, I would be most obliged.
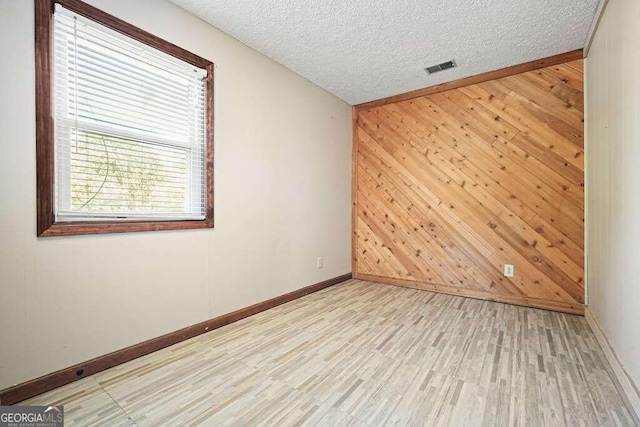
(66, 127)
(122, 82)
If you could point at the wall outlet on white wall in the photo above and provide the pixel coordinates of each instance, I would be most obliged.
(320, 262)
(509, 270)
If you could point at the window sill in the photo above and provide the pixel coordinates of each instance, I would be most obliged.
(106, 227)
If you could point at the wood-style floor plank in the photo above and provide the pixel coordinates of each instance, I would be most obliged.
(364, 354)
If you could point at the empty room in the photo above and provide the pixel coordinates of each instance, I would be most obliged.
(301, 213)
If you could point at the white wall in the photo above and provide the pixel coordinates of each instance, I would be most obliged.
(613, 179)
(282, 187)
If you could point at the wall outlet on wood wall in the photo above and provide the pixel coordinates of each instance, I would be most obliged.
(509, 270)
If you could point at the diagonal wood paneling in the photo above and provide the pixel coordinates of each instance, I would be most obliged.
(451, 186)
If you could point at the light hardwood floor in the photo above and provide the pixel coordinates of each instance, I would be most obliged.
(361, 354)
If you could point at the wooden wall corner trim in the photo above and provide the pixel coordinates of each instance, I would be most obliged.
(354, 191)
(479, 78)
(562, 307)
(26, 390)
(623, 381)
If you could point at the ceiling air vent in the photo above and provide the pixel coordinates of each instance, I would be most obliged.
(440, 67)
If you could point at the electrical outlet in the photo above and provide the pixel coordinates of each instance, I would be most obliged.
(509, 270)
(320, 262)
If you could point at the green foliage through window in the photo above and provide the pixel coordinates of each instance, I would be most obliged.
(116, 174)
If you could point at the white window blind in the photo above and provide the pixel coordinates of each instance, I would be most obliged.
(129, 127)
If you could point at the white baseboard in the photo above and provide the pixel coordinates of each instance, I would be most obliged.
(625, 383)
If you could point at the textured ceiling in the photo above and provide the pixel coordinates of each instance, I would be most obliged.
(361, 50)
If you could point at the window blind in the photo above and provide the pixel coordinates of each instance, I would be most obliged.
(129, 127)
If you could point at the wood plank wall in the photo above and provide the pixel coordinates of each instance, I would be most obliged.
(451, 186)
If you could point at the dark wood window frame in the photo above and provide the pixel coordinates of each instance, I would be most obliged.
(45, 142)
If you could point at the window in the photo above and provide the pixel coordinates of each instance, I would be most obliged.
(124, 123)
